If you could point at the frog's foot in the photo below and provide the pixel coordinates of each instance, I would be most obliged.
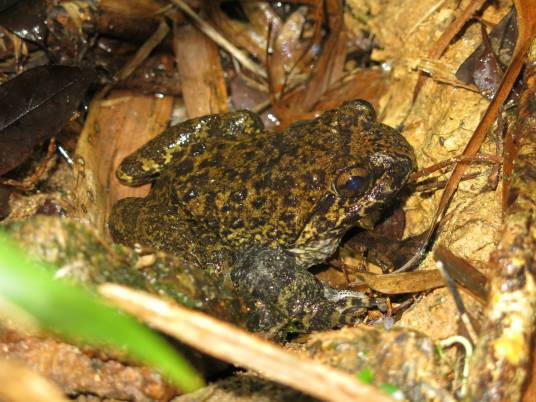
(273, 277)
(352, 304)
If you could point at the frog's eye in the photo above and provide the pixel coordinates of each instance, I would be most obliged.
(352, 183)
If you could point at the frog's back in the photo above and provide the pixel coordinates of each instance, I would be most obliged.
(230, 185)
(260, 188)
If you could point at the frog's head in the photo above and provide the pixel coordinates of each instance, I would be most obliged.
(375, 165)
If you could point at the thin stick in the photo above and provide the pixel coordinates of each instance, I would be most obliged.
(485, 158)
(480, 133)
(430, 11)
(209, 30)
(141, 54)
(232, 344)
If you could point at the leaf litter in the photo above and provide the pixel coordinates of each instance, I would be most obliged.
(438, 118)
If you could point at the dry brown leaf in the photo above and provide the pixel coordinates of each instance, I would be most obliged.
(106, 139)
(198, 61)
(134, 8)
(406, 282)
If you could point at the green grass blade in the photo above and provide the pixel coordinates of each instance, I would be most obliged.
(79, 315)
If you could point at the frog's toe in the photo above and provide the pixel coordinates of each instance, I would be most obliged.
(352, 305)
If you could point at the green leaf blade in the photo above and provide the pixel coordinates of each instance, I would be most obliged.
(79, 315)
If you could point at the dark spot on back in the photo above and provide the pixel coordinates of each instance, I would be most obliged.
(265, 166)
(257, 222)
(245, 175)
(250, 155)
(322, 224)
(199, 180)
(214, 131)
(277, 139)
(288, 217)
(231, 174)
(210, 198)
(197, 149)
(207, 163)
(264, 182)
(323, 205)
(258, 202)
(184, 167)
(177, 155)
(307, 178)
(238, 196)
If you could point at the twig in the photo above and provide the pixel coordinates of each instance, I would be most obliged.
(209, 30)
(141, 54)
(229, 343)
(476, 140)
(432, 10)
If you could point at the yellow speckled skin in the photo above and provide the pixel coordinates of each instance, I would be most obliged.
(260, 206)
(223, 181)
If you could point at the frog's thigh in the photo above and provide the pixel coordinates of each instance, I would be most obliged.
(174, 144)
(150, 222)
(123, 220)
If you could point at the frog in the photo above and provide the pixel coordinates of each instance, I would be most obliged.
(262, 206)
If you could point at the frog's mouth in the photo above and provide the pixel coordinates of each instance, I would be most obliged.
(315, 251)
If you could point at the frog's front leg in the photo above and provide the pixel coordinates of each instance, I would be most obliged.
(182, 141)
(271, 276)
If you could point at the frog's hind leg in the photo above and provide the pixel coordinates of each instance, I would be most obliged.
(123, 220)
(153, 223)
(184, 139)
(147, 222)
(272, 276)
